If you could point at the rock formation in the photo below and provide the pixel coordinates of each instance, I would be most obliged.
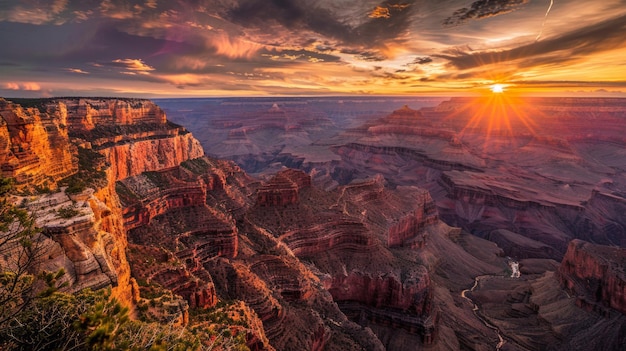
(34, 146)
(349, 234)
(595, 275)
(283, 189)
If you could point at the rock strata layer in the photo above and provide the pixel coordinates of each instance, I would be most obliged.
(596, 276)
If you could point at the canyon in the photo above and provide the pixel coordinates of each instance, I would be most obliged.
(529, 174)
(365, 242)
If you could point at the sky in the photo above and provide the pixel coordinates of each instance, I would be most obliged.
(197, 48)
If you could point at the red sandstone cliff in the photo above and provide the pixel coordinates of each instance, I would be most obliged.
(596, 275)
(189, 232)
(38, 149)
(34, 146)
(350, 235)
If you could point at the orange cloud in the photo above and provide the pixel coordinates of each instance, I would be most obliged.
(116, 10)
(31, 86)
(26, 86)
(136, 65)
(77, 70)
(234, 48)
(380, 12)
(12, 86)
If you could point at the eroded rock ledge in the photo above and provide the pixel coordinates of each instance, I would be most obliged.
(349, 235)
(596, 275)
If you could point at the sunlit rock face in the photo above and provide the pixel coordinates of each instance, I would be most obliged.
(595, 274)
(34, 145)
(78, 241)
(38, 148)
(89, 114)
(133, 134)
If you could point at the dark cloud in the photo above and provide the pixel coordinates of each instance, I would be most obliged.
(482, 9)
(571, 46)
(299, 15)
(299, 55)
(372, 56)
(422, 60)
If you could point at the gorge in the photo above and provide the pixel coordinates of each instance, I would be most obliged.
(347, 252)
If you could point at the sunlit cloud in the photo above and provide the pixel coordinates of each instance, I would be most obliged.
(117, 10)
(12, 86)
(81, 16)
(340, 46)
(133, 65)
(31, 86)
(76, 70)
(234, 48)
(151, 4)
(380, 12)
(26, 86)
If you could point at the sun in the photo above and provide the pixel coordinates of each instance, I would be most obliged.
(497, 88)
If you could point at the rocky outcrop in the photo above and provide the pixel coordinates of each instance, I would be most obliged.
(409, 229)
(131, 159)
(385, 301)
(595, 275)
(412, 294)
(34, 146)
(341, 234)
(78, 242)
(348, 235)
(283, 189)
(88, 114)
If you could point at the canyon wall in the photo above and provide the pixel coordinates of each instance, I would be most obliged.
(595, 275)
(34, 146)
(349, 235)
(40, 147)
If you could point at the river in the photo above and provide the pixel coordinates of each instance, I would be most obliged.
(514, 274)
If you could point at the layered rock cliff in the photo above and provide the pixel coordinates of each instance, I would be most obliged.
(189, 233)
(49, 143)
(595, 275)
(34, 146)
(350, 235)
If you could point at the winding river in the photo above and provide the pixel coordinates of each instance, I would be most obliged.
(515, 274)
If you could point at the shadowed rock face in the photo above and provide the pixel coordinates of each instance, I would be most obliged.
(349, 235)
(596, 275)
(209, 251)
